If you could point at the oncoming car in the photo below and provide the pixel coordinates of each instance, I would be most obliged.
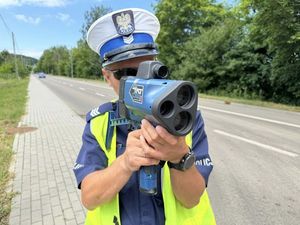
(41, 75)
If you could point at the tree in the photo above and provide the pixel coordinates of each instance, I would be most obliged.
(4, 55)
(203, 59)
(91, 16)
(181, 21)
(275, 26)
(252, 50)
(55, 61)
(7, 64)
(86, 62)
(248, 70)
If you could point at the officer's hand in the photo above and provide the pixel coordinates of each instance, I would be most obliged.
(134, 154)
(159, 144)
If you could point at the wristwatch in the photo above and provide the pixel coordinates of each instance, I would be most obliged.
(185, 163)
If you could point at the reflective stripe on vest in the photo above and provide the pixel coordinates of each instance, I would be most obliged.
(175, 213)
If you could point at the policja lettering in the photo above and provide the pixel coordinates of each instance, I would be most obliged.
(204, 162)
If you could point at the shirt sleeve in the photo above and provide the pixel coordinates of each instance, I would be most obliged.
(200, 148)
(90, 158)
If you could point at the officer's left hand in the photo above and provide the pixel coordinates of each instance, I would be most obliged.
(159, 144)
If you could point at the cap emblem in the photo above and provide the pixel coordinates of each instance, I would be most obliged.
(124, 22)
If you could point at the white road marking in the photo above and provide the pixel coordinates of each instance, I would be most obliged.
(268, 147)
(98, 86)
(100, 94)
(81, 88)
(251, 117)
(85, 83)
(71, 85)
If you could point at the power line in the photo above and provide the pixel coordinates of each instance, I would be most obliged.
(19, 50)
(14, 36)
(16, 64)
(5, 24)
(14, 45)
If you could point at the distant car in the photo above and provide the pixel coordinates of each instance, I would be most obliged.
(42, 75)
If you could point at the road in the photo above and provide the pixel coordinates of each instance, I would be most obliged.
(255, 151)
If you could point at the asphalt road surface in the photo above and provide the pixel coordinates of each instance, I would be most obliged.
(255, 151)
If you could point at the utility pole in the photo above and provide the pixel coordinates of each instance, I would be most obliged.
(71, 61)
(16, 64)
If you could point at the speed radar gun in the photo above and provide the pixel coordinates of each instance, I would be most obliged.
(171, 104)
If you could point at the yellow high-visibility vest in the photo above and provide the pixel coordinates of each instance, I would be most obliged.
(175, 213)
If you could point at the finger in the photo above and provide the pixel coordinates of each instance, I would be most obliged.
(133, 142)
(165, 135)
(135, 133)
(138, 152)
(134, 163)
(145, 134)
(147, 129)
(149, 140)
(140, 159)
(149, 151)
(148, 161)
(150, 133)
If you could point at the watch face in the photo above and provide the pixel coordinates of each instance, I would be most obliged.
(186, 162)
(189, 161)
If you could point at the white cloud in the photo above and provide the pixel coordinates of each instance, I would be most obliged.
(32, 53)
(63, 17)
(8, 2)
(28, 52)
(28, 19)
(46, 3)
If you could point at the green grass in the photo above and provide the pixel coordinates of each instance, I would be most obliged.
(252, 102)
(13, 95)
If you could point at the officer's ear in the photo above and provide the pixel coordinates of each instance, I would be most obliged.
(107, 75)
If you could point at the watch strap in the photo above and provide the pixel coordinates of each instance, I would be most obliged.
(181, 165)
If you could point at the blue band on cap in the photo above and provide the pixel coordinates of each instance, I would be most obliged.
(119, 42)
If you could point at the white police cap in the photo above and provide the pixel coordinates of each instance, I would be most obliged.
(124, 34)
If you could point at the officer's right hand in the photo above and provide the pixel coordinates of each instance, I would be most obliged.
(134, 155)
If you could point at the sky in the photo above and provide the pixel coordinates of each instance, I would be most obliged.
(41, 24)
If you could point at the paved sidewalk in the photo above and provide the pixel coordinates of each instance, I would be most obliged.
(43, 162)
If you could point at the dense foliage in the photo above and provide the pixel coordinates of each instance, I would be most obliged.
(276, 25)
(250, 50)
(8, 66)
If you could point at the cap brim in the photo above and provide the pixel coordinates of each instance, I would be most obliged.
(135, 53)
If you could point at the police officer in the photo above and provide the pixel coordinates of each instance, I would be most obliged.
(107, 174)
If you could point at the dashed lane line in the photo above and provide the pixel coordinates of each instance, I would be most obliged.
(251, 117)
(100, 94)
(267, 147)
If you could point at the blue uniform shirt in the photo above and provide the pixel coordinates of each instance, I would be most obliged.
(136, 207)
